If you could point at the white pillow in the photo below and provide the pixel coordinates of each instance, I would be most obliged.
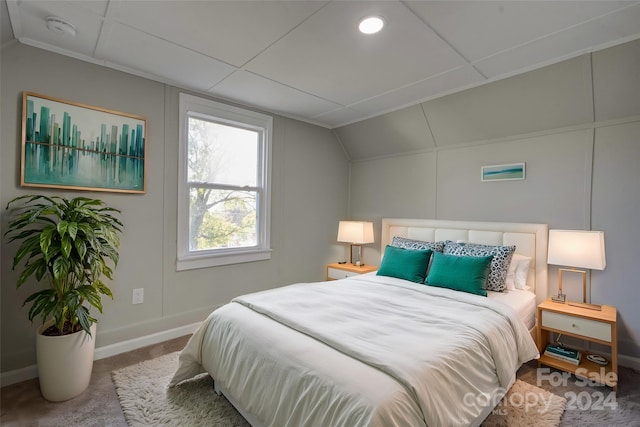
(511, 273)
(522, 271)
(518, 272)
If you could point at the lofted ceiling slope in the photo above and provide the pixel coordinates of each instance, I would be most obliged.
(307, 60)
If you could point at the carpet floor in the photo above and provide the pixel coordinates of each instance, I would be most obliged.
(22, 405)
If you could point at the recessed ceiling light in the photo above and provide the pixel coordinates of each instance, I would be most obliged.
(371, 25)
(60, 26)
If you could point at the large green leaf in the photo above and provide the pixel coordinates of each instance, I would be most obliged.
(45, 239)
(85, 320)
(92, 296)
(61, 268)
(81, 248)
(23, 234)
(43, 303)
(66, 246)
(72, 229)
(29, 246)
(102, 288)
(41, 270)
(29, 269)
(62, 227)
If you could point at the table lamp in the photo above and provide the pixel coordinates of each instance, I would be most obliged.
(356, 233)
(576, 249)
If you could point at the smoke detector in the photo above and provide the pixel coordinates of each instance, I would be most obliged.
(60, 26)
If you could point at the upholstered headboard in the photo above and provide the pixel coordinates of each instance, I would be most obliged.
(530, 240)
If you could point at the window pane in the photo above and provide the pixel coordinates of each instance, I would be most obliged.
(222, 154)
(222, 219)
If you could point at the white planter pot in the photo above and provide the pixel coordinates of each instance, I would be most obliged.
(64, 363)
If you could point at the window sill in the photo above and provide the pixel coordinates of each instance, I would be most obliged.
(205, 261)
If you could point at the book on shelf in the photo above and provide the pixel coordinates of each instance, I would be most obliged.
(563, 353)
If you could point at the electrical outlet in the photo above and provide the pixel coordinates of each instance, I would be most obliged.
(138, 296)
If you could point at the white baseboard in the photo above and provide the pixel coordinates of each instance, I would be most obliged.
(30, 372)
(18, 375)
(133, 344)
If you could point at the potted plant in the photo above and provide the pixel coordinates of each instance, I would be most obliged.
(67, 245)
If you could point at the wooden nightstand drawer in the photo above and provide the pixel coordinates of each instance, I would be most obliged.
(337, 271)
(334, 273)
(577, 325)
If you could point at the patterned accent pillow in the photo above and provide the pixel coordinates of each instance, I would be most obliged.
(499, 264)
(404, 243)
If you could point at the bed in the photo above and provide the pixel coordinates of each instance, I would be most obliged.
(374, 350)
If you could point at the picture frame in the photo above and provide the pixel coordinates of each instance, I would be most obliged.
(504, 172)
(74, 146)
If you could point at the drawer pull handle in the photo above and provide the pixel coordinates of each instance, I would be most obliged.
(573, 325)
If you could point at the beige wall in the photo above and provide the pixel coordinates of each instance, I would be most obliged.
(309, 197)
(575, 124)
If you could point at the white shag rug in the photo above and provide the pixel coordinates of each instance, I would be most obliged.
(146, 400)
(526, 405)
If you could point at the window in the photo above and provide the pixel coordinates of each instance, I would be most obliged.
(223, 188)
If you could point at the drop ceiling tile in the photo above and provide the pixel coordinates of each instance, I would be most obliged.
(32, 27)
(447, 82)
(619, 25)
(478, 29)
(140, 51)
(328, 57)
(99, 7)
(231, 31)
(249, 88)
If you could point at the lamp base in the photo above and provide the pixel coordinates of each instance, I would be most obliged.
(358, 262)
(597, 307)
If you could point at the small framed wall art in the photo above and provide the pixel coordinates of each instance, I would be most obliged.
(81, 147)
(507, 172)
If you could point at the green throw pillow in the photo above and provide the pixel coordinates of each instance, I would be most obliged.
(405, 264)
(460, 273)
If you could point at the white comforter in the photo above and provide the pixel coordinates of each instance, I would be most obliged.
(407, 354)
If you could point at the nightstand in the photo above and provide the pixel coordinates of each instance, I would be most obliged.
(590, 325)
(337, 271)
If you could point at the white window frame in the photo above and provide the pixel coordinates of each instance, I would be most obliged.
(195, 106)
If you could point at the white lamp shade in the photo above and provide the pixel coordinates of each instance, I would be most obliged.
(355, 232)
(577, 248)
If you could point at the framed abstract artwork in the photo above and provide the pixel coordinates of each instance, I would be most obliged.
(81, 147)
(508, 172)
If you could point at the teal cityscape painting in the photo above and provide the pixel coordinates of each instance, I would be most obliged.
(513, 171)
(76, 146)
